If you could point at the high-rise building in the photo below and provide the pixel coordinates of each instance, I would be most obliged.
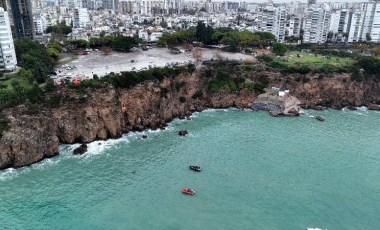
(8, 59)
(311, 2)
(279, 28)
(273, 19)
(316, 24)
(294, 26)
(340, 24)
(22, 18)
(365, 23)
(81, 18)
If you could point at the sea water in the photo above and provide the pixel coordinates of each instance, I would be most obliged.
(259, 172)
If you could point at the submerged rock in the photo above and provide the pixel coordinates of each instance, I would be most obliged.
(350, 107)
(80, 150)
(183, 132)
(320, 118)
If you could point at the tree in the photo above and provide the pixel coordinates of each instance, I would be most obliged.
(34, 56)
(368, 37)
(279, 49)
(302, 32)
(123, 43)
(163, 24)
(204, 33)
(330, 35)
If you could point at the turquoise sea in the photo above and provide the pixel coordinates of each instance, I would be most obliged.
(259, 172)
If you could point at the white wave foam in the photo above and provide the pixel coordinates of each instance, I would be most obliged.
(7, 174)
(363, 108)
(46, 163)
(214, 110)
(360, 114)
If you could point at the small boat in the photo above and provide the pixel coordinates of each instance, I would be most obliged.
(195, 168)
(188, 191)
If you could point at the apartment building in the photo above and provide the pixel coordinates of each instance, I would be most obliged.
(8, 59)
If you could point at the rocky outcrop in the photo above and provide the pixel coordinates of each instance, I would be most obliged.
(320, 118)
(29, 139)
(183, 133)
(82, 149)
(98, 114)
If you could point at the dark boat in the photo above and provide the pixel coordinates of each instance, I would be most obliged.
(188, 191)
(195, 168)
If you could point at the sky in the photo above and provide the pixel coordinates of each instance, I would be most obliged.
(282, 0)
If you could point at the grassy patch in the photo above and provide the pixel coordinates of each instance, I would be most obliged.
(314, 61)
(14, 79)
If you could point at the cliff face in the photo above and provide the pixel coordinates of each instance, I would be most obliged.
(109, 112)
(337, 92)
(106, 113)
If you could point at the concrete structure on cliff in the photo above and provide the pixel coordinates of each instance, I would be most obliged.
(278, 102)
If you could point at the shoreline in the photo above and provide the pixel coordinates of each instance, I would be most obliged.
(84, 115)
(12, 172)
(140, 133)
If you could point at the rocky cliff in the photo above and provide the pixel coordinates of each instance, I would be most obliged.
(109, 112)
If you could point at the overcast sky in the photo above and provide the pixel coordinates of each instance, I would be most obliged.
(280, 0)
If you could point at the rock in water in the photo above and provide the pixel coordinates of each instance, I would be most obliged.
(183, 132)
(320, 118)
(350, 107)
(80, 150)
(144, 137)
(374, 107)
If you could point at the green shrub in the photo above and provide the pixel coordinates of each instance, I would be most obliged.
(249, 85)
(265, 58)
(191, 67)
(163, 92)
(54, 101)
(179, 85)
(4, 126)
(32, 109)
(259, 87)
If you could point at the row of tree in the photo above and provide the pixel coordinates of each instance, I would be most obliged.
(116, 42)
(210, 36)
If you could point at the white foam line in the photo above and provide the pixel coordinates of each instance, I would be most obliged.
(7, 174)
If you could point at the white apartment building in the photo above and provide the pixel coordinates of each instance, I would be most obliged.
(280, 24)
(39, 23)
(316, 24)
(8, 59)
(128, 7)
(365, 22)
(340, 24)
(294, 26)
(81, 18)
(273, 19)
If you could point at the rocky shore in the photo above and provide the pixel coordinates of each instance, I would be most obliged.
(98, 114)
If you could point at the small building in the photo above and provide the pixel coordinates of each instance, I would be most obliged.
(283, 92)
